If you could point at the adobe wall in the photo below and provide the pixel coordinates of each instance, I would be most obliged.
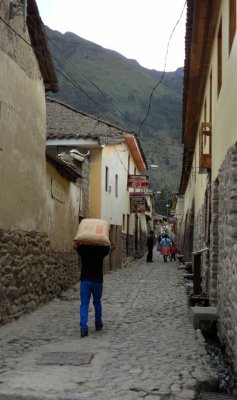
(66, 201)
(22, 127)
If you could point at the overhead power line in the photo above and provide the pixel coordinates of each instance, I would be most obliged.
(71, 80)
(163, 73)
(65, 75)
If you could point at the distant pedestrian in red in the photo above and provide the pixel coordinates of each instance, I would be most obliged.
(173, 251)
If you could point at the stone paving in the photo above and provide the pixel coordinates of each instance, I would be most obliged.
(147, 349)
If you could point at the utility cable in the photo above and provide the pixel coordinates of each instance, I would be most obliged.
(75, 84)
(163, 73)
(131, 124)
(69, 79)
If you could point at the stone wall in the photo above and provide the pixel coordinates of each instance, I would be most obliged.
(141, 247)
(214, 244)
(31, 273)
(227, 257)
(188, 235)
(200, 243)
(198, 230)
(131, 247)
(84, 184)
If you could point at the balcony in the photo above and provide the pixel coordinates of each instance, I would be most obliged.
(205, 146)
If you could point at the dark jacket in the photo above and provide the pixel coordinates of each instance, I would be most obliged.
(150, 240)
(92, 262)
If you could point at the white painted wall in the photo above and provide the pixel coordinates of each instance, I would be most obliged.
(62, 210)
(116, 159)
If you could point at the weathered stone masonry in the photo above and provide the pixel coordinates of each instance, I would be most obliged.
(199, 243)
(214, 247)
(31, 273)
(219, 265)
(227, 254)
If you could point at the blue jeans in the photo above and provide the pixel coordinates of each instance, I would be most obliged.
(88, 288)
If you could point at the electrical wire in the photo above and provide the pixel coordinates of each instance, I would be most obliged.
(76, 85)
(92, 83)
(164, 70)
(69, 79)
(131, 124)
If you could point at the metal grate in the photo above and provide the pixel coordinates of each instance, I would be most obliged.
(65, 358)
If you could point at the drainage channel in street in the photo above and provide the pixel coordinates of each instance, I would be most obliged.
(226, 385)
(215, 396)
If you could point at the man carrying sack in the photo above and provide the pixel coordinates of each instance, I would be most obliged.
(92, 243)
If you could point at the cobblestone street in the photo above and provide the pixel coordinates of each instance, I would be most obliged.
(147, 349)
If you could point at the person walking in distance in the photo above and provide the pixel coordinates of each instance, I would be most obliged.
(173, 251)
(91, 282)
(165, 244)
(150, 245)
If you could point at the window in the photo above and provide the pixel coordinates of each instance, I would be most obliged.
(205, 146)
(232, 22)
(116, 185)
(106, 179)
(219, 59)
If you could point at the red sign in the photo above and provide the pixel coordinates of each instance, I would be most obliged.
(138, 181)
(137, 202)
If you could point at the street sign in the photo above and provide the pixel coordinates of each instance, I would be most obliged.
(138, 181)
(137, 202)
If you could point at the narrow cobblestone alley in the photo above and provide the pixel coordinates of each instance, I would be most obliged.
(147, 349)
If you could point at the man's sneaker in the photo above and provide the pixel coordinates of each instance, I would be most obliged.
(84, 333)
(99, 327)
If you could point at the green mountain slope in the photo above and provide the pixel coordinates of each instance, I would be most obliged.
(112, 87)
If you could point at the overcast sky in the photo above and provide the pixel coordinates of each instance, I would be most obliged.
(137, 29)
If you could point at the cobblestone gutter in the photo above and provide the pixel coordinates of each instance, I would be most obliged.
(31, 273)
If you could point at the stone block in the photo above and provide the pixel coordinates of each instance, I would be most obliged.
(199, 314)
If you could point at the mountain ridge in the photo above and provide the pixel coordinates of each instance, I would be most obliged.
(104, 83)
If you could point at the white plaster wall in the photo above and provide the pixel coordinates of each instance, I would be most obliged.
(112, 207)
(225, 122)
(63, 216)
